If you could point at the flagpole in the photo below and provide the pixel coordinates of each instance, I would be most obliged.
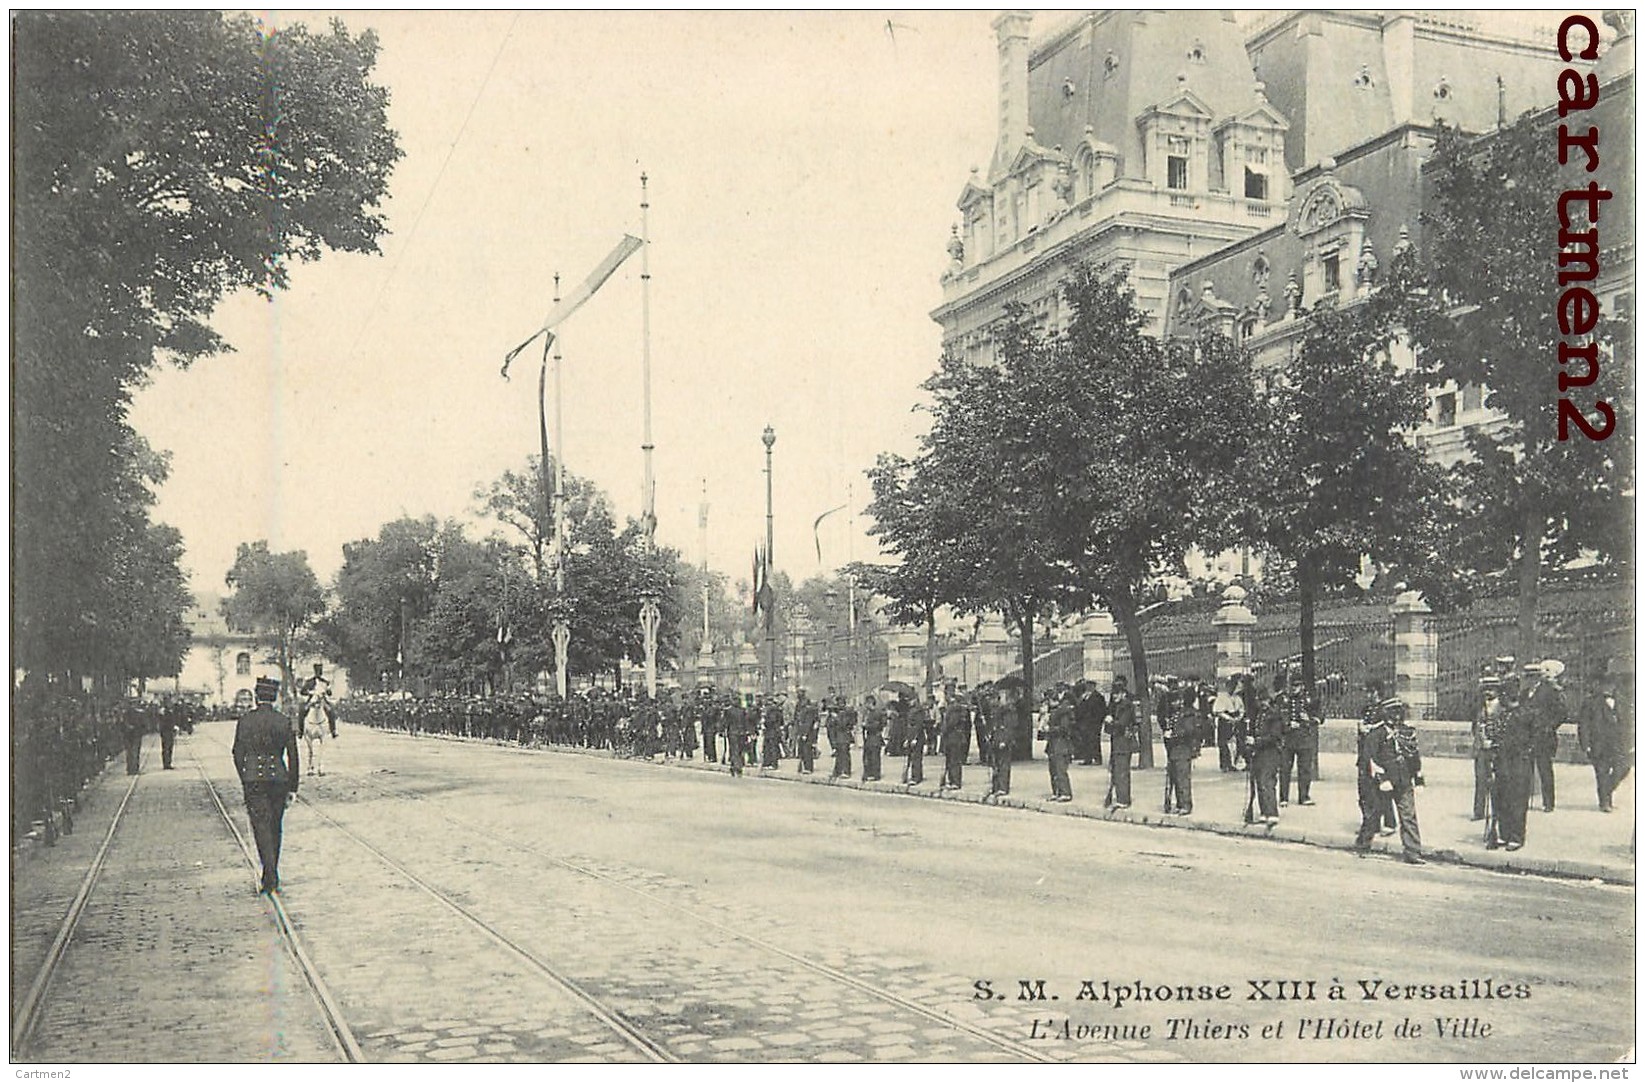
(560, 632)
(650, 613)
(768, 438)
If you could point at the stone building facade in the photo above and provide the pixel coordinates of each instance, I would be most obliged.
(1155, 140)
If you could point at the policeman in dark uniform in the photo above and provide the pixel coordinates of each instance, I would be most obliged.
(771, 737)
(917, 732)
(1003, 707)
(1059, 743)
(873, 739)
(805, 727)
(265, 755)
(839, 737)
(1508, 732)
(1603, 732)
(1122, 744)
(956, 736)
(1267, 741)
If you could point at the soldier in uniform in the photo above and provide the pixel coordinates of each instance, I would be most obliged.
(265, 755)
(134, 722)
(1604, 736)
(805, 729)
(771, 739)
(1264, 756)
(1180, 733)
(1059, 742)
(1004, 708)
(918, 730)
(1301, 747)
(956, 736)
(1393, 762)
(1123, 742)
(709, 715)
(1508, 732)
(840, 735)
(1484, 753)
(734, 721)
(1368, 718)
(873, 739)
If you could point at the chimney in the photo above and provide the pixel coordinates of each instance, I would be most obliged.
(1011, 33)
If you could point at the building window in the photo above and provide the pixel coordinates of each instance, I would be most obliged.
(1364, 80)
(1176, 162)
(1445, 409)
(1333, 273)
(1196, 52)
(1110, 66)
(242, 664)
(1256, 184)
(1247, 327)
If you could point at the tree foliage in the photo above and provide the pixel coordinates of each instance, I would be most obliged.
(276, 597)
(1335, 475)
(160, 160)
(1491, 320)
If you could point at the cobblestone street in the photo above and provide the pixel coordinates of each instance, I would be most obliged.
(747, 921)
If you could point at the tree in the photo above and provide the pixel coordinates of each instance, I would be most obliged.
(276, 596)
(386, 588)
(1335, 475)
(160, 160)
(905, 521)
(516, 501)
(1151, 437)
(993, 485)
(1491, 321)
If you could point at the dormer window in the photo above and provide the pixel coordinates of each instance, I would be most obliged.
(1176, 162)
(1256, 183)
(1332, 272)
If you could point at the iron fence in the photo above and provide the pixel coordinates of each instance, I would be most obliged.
(1588, 641)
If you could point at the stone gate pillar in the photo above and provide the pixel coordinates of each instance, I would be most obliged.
(1097, 665)
(1235, 626)
(1416, 656)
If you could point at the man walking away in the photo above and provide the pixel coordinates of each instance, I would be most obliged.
(265, 755)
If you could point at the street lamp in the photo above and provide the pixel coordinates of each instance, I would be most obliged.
(768, 438)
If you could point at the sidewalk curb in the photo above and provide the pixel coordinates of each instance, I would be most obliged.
(1490, 860)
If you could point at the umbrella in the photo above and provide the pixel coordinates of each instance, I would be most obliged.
(901, 688)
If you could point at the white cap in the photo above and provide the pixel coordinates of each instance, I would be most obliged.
(1552, 669)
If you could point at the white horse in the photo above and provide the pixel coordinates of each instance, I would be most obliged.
(318, 724)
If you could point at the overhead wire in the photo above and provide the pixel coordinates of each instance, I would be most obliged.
(417, 219)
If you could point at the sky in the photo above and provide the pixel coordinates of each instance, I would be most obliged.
(803, 170)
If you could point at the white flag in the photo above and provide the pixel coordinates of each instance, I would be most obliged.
(596, 278)
(579, 296)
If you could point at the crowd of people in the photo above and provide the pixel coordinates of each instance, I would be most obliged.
(1269, 732)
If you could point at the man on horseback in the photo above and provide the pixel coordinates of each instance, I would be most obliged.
(318, 718)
